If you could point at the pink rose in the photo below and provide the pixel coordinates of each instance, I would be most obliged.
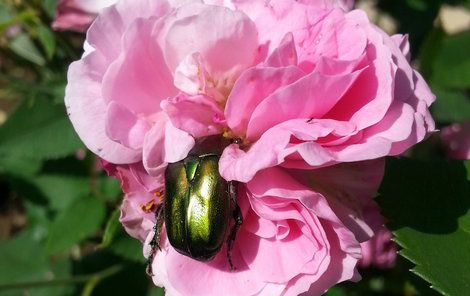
(456, 140)
(300, 234)
(316, 94)
(77, 15)
(380, 251)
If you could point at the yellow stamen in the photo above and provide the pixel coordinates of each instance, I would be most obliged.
(148, 207)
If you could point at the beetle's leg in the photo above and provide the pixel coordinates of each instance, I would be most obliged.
(237, 216)
(155, 242)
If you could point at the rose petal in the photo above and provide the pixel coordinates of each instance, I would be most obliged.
(139, 79)
(164, 143)
(285, 55)
(87, 111)
(310, 97)
(197, 115)
(253, 86)
(129, 130)
(226, 39)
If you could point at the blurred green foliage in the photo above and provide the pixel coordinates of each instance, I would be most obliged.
(58, 234)
(59, 229)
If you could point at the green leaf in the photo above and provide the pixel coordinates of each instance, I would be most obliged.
(61, 191)
(110, 189)
(23, 261)
(427, 206)
(451, 106)
(467, 166)
(113, 228)
(50, 7)
(419, 5)
(24, 47)
(19, 166)
(5, 13)
(46, 37)
(128, 248)
(429, 50)
(38, 220)
(452, 64)
(81, 220)
(157, 291)
(40, 131)
(336, 291)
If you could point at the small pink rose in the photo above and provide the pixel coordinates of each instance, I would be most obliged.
(380, 251)
(77, 15)
(456, 140)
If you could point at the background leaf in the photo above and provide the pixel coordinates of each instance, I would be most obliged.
(452, 62)
(47, 40)
(41, 130)
(79, 221)
(23, 260)
(113, 228)
(24, 47)
(62, 191)
(427, 206)
(452, 106)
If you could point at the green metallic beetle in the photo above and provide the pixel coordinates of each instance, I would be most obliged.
(199, 205)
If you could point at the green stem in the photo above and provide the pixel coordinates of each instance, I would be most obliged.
(67, 281)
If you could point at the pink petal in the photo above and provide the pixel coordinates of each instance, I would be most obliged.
(396, 126)
(310, 97)
(276, 182)
(290, 255)
(139, 78)
(190, 75)
(124, 127)
(236, 164)
(292, 16)
(285, 55)
(369, 98)
(334, 66)
(402, 42)
(274, 146)
(342, 269)
(106, 31)
(134, 219)
(164, 143)
(87, 111)
(253, 86)
(350, 189)
(178, 143)
(197, 115)
(367, 148)
(226, 39)
(340, 36)
(191, 277)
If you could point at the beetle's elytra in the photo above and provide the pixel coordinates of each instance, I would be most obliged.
(199, 206)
